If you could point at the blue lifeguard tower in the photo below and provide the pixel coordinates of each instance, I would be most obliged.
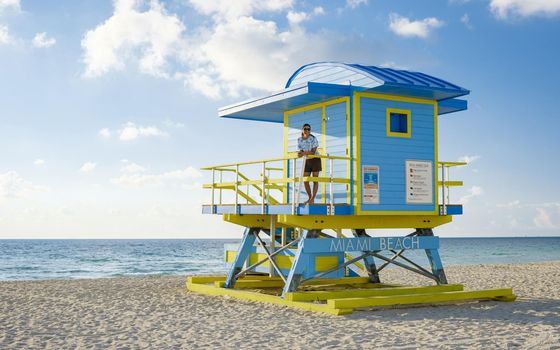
(378, 134)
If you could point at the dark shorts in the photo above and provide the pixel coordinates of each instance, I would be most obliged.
(313, 165)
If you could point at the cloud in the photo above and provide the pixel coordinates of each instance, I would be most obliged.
(42, 40)
(153, 36)
(88, 167)
(405, 27)
(513, 204)
(504, 9)
(14, 186)
(105, 133)
(5, 37)
(137, 180)
(469, 159)
(131, 131)
(172, 124)
(474, 191)
(466, 20)
(131, 167)
(39, 162)
(355, 3)
(542, 219)
(231, 53)
(10, 5)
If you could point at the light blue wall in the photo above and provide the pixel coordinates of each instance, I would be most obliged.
(390, 153)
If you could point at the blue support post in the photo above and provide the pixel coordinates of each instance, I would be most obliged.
(241, 256)
(368, 261)
(301, 260)
(437, 266)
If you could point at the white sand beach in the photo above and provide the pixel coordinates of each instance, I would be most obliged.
(158, 313)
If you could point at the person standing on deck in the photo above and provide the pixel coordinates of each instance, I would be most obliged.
(307, 146)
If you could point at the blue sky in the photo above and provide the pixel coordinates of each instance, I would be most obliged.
(108, 108)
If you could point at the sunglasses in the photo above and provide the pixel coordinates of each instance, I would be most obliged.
(307, 129)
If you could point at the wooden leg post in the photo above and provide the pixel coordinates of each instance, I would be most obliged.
(296, 271)
(241, 256)
(369, 263)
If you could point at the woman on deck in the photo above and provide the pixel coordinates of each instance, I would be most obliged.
(307, 146)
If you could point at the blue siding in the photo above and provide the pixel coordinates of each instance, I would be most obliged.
(295, 122)
(390, 153)
(336, 145)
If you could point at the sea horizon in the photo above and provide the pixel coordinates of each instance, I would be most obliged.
(82, 258)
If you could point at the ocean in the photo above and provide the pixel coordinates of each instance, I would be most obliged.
(73, 259)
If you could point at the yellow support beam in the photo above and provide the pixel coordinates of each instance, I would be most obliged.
(505, 294)
(262, 221)
(363, 221)
(373, 292)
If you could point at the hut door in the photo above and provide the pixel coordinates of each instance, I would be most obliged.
(336, 144)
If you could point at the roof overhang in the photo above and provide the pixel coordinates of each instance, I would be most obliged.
(429, 93)
(271, 108)
(451, 106)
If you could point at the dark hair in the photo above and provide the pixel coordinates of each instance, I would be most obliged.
(304, 125)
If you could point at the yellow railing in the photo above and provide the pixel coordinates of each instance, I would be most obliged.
(241, 183)
(445, 183)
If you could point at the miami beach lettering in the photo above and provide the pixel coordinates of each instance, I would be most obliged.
(377, 243)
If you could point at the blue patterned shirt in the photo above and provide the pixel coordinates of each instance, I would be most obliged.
(308, 144)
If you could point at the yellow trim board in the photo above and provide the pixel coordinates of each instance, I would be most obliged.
(406, 112)
(363, 221)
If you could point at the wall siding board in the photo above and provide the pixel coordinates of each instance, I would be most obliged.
(390, 153)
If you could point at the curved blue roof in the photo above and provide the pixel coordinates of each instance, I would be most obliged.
(380, 79)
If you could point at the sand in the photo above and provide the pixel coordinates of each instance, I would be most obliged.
(157, 313)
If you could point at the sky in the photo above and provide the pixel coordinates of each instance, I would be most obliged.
(108, 109)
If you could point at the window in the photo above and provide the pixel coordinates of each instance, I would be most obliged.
(398, 122)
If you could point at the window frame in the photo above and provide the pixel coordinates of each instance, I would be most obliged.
(406, 134)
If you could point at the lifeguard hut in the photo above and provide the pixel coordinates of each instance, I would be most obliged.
(378, 135)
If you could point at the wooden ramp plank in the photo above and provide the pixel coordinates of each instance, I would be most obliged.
(360, 293)
(497, 294)
(210, 289)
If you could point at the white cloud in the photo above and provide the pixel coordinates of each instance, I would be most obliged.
(14, 186)
(474, 191)
(142, 180)
(405, 27)
(88, 167)
(172, 124)
(153, 36)
(355, 3)
(542, 219)
(131, 131)
(10, 5)
(105, 133)
(469, 159)
(513, 204)
(42, 40)
(235, 9)
(131, 167)
(510, 8)
(5, 37)
(466, 20)
(233, 53)
(39, 162)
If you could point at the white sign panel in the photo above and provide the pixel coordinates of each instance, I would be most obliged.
(419, 182)
(370, 184)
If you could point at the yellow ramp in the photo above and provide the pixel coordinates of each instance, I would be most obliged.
(505, 294)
